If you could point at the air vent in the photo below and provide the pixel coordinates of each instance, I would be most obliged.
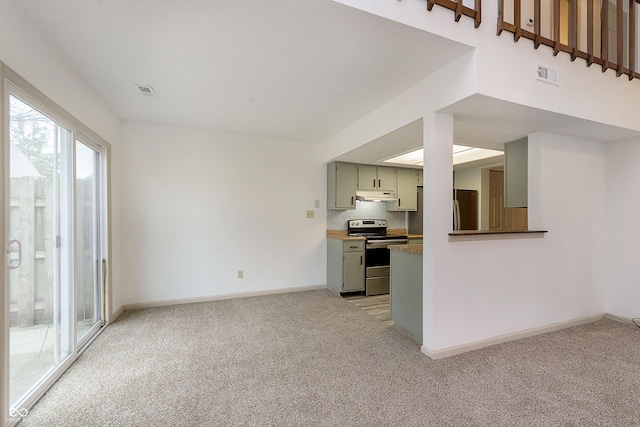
(147, 91)
(548, 75)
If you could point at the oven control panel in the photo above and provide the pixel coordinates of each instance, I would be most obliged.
(367, 223)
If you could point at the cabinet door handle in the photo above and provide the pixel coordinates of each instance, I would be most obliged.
(351, 200)
(379, 183)
(360, 259)
(374, 183)
(399, 202)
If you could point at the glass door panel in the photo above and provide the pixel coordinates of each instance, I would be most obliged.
(88, 266)
(39, 229)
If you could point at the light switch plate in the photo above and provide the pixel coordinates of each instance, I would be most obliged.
(310, 214)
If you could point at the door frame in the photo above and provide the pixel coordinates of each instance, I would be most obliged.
(86, 140)
(9, 77)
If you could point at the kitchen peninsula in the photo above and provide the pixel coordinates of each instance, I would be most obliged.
(406, 289)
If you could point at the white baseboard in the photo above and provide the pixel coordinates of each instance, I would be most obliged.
(459, 349)
(220, 297)
(622, 319)
(116, 314)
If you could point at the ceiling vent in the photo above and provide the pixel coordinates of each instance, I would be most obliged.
(147, 91)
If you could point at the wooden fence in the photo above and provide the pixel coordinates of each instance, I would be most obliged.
(31, 291)
(32, 222)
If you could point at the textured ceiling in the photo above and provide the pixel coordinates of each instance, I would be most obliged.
(295, 69)
(400, 141)
(485, 122)
(481, 121)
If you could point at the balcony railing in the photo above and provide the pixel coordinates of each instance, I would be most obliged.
(601, 32)
(459, 8)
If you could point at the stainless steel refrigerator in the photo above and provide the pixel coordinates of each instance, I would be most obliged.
(465, 209)
(415, 218)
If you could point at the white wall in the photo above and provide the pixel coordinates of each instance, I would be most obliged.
(481, 289)
(622, 278)
(451, 83)
(507, 70)
(201, 205)
(25, 50)
(488, 288)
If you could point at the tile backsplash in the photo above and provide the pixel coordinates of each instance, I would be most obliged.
(337, 220)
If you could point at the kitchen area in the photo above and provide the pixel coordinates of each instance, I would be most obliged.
(375, 214)
(367, 218)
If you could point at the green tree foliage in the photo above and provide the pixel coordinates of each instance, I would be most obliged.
(33, 133)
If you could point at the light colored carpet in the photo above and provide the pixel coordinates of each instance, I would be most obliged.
(313, 359)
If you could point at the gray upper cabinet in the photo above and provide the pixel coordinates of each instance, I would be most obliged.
(380, 178)
(407, 191)
(420, 177)
(516, 181)
(341, 186)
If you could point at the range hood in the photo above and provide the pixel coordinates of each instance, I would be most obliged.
(376, 196)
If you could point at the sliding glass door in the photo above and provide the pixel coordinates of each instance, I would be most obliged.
(89, 269)
(40, 262)
(55, 247)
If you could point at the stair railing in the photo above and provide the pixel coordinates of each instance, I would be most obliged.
(605, 36)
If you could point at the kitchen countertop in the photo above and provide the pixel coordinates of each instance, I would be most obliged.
(495, 232)
(414, 236)
(344, 234)
(412, 249)
(341, 235)
(396, 231)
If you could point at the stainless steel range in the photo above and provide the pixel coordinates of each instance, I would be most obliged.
(376, 256)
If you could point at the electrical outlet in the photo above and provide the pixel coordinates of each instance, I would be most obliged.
(240, 274)
(310, 214)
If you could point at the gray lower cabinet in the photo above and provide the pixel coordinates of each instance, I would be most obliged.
(406, 293)
(345, 265)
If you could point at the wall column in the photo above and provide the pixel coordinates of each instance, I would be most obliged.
(438, 184)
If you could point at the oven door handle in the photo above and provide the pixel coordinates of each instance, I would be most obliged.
(385, 243)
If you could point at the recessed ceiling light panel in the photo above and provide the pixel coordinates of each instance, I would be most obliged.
(411, 158)
(461, 154)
